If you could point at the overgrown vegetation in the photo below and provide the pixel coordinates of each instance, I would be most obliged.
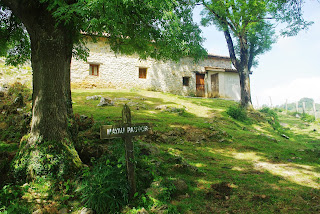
(238, 113)
(204, 156)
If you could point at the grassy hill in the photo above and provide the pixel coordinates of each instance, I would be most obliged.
(197, 160)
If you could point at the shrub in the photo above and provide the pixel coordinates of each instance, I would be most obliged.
(237, 113)
(307, 118)
(105, 187)
(273, 119)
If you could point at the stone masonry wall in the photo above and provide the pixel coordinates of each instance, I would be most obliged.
(122, 71)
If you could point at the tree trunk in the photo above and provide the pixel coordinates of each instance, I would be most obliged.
(48, 149)
(245, 87)
(242, 68)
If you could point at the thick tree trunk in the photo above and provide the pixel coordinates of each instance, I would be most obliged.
(48, 149)
(50, 62)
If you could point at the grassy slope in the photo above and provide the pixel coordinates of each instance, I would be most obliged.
(265, 173)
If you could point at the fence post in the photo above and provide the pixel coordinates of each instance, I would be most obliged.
(314, 110)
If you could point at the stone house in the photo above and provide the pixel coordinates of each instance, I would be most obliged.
(211, 77)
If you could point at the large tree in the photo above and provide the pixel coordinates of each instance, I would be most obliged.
(50, 32)
(249, 30)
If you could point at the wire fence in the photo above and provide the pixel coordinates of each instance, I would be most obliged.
(298, 107)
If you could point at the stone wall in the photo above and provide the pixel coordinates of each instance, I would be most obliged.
(122, 71)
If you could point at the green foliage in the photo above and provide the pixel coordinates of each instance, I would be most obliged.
(273, 119)
(238, 113)
(105, 187)
(18, 88)
(168, 190)
(158, 23)
(9, 200)
(14, 39)
(307, 117)
(249, 31)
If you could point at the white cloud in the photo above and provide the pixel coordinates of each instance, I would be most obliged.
(293, 91)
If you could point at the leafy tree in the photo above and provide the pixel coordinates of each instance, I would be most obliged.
(249, 30)
(50, 32)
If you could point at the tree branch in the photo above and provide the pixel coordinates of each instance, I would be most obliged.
(232, 54)
(222, 20)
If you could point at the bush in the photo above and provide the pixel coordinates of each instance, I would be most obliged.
(273, 119)
(307, 118)
(105, 187)
(237, 113)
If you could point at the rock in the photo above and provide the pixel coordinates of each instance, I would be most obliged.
(95, 97)
(181, 186)
(122, 99)
(105, 102)
(132, 104)
(83, 117)
(86, 211)
(38, 211)
(142, 211)
(63, 211)
(3, 125)
(18, 102)
(161, 107)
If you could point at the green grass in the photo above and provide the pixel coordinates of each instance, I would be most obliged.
(228, 166)
(267, 172)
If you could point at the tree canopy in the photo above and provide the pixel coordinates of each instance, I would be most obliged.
(161, 29)
(249, 29)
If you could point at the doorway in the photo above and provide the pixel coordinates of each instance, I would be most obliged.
(215, 85)
(200, 88)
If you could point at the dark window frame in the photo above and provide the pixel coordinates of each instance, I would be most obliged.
(143, 72)
(186, 81)
(91, 69)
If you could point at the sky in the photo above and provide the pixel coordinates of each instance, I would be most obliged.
(289, 71)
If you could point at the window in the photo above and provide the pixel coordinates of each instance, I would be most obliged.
(94, 70)
(143, 73)
(185, 81)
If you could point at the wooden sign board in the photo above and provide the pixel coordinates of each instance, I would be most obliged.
(124, 130)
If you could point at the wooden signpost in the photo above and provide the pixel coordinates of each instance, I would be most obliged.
(126, 131)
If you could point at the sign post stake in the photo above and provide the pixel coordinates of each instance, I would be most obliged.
(126, 130)
(126, 120)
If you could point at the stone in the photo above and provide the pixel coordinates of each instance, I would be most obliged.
(18, 101)
(86, 211)
(181, 186)
(38, 211)
(105, 102)
(83, 117)
(3, 125)
(161, 107)
(95, 97)
(63, 211)
(142, 211)
(122, 99)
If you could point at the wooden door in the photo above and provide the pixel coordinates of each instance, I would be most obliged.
(215, 85)
(200, 85)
